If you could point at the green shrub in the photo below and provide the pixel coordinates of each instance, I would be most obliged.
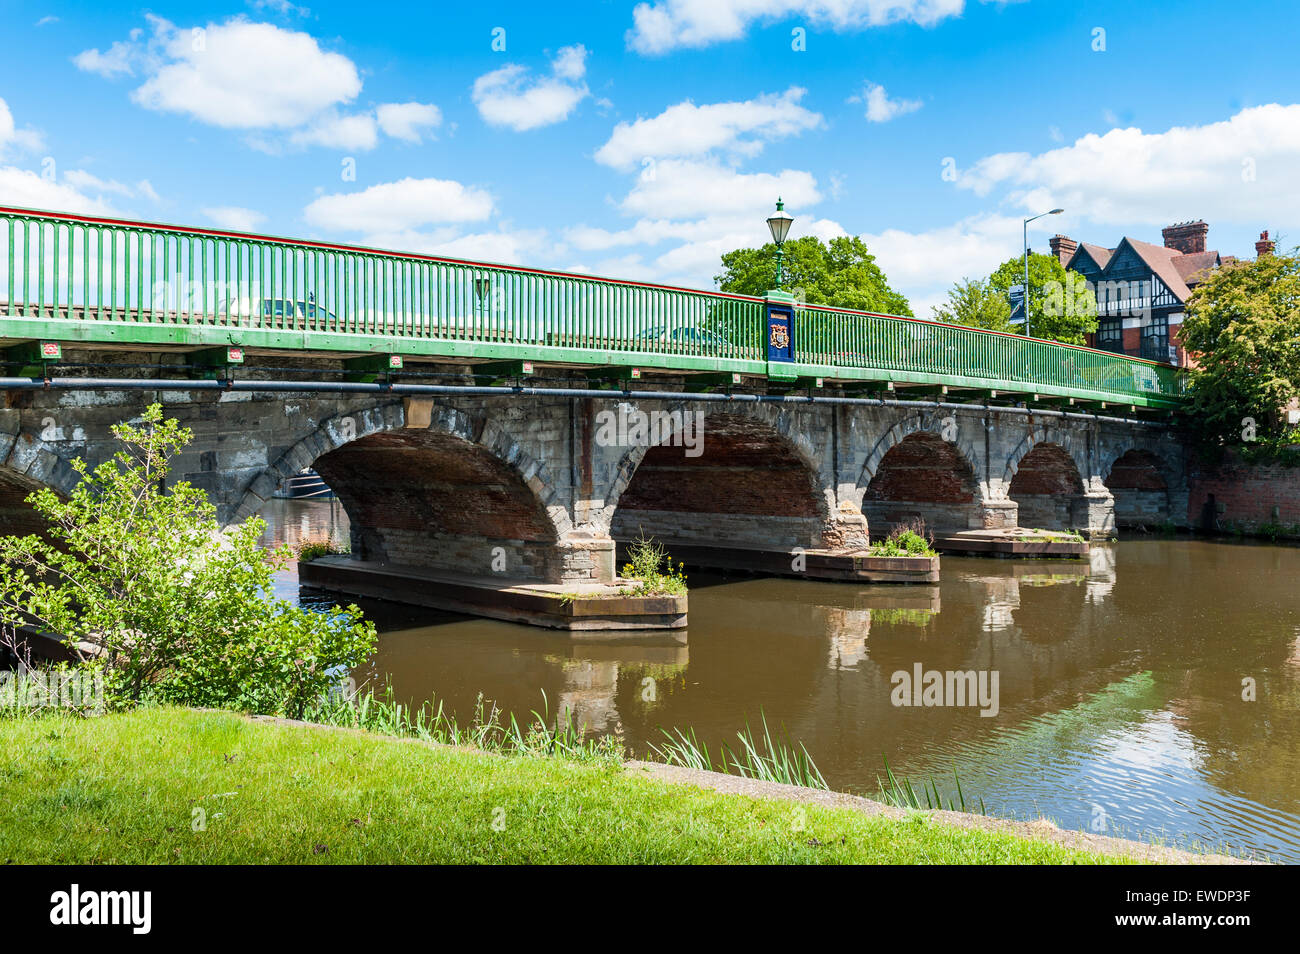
(309, 550)
(905, 539)
(146, 585)
(650, 564)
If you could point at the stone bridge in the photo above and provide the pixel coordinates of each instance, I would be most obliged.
(461, 481)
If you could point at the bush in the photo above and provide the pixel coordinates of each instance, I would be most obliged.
(147, 585)
(906, 539)
(650, 564)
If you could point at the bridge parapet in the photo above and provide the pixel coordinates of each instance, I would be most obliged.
(92, 280)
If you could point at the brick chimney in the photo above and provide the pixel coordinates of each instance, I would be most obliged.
(1063, 247)
(1186, 237)
(1265, 245)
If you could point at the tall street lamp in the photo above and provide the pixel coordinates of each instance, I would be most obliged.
(778, 223)
(1026, 238)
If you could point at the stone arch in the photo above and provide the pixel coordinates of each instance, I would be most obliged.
(757, 483)
(28, 463)
(916, 423)
(914, 473)
(430, 485)
(1048, 489)
(1073, 441)
(1136, 479)
(336, 432)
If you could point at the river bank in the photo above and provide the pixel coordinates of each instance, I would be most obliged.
(171, 785)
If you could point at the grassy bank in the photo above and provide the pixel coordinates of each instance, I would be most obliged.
(131, 788)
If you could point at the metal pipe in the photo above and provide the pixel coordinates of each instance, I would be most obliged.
(376, 387)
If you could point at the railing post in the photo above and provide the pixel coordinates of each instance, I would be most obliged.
(779, 330)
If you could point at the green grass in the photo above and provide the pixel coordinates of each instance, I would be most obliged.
(124, 789)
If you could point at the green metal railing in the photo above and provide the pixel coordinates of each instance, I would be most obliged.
(833, 337)
(96, 279)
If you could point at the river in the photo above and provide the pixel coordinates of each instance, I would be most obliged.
(1150, 692)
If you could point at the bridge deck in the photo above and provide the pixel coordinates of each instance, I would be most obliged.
(108, 282)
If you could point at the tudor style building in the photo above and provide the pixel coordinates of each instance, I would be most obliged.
(1142, 288)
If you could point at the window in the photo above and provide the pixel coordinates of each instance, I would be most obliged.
(1110, 334)
(1155, 338)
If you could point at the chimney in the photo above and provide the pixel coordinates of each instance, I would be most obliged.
(1265, 245)
(1186, 237)
(1063, 247)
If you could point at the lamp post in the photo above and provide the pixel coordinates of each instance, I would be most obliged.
(778, 223)
(1026, 238)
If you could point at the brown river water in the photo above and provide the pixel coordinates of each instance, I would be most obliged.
(1121, 680)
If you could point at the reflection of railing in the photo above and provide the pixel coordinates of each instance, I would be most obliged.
(91, 278)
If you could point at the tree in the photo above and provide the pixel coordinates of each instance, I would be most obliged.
(1061, 306)
(842, 273)
(1243, 326)
(145, 586)
(974, 303)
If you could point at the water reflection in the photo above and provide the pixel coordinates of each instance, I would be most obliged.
(1121, 678)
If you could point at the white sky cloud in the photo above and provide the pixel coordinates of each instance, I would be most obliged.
(86, 182)
(405, 121)
(13, 138)
(235, 218)
(687, 188)
(504, 246)
(27, 189)
(510, 97)
(257, 77)
(244, 75)
(690, 130)
(357, 131)
(392, 207)
(665, 25)
(1240, 170)
(881, 109)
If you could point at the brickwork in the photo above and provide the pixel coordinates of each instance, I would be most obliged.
(441, 482)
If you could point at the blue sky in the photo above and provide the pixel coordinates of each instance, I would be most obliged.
(643, 140)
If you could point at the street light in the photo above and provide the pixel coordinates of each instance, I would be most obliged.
(778, 223)
(1026, 238)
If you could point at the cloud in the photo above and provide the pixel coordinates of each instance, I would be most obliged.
(116, 61)
(507, 247)
(686, 188)
(14, 139)
(880, 108)
(699, 209)
(84, 181)
(234, 217)
(924, 265)
(276, 84)
(1239, 170)
(398, 206)
(690, 130)
(510, 97)
(26, 189)
(244, 75)
(666, 25)
(405, 120)
(47, 21)
(339, 131)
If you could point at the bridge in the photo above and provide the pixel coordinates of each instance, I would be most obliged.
(485, 422)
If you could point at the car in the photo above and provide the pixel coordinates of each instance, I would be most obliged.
(684, 335)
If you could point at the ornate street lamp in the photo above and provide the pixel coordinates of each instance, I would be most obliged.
(778, 223)
(1026, 238)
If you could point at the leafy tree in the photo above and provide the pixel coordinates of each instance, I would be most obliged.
(1243, 326)
(1061, 307)
(842, 273)
(146, 587)
(973, 302)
